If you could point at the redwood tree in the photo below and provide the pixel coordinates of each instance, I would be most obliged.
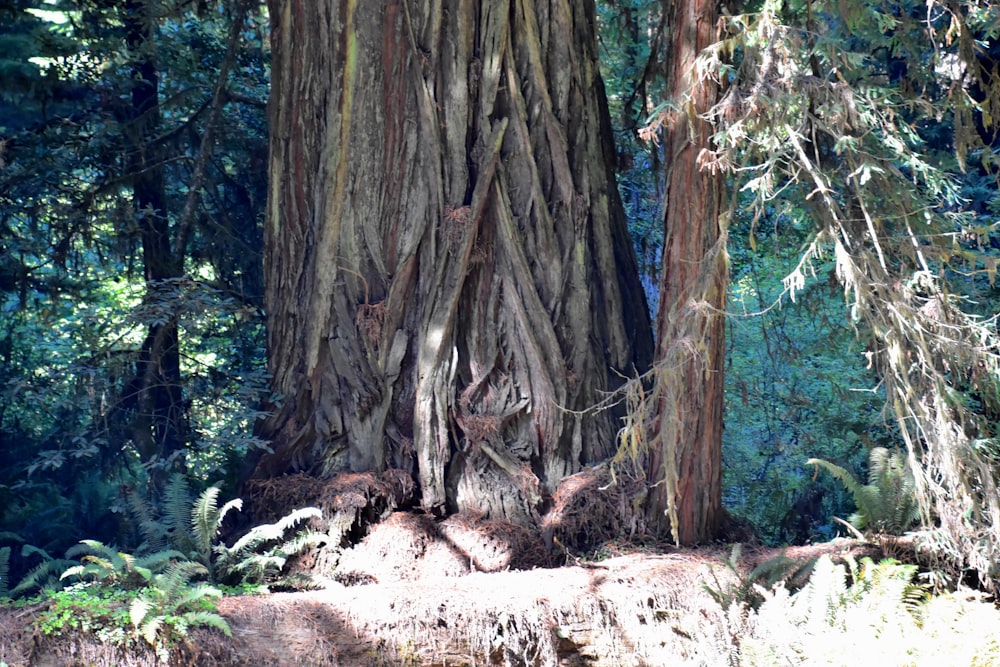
(685, 463)
(450, 283)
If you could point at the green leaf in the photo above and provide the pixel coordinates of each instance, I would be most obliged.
(138, 611)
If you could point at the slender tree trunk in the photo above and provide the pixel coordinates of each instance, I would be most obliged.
(686, 457)
(449, 272)
(159, 421)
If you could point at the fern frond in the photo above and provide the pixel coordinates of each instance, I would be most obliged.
(243, 558)
(208, 619)
(295, 517)
(204, 517)
(151, 628)
(871, 507)
(97, 547)
(888, 501)
(888, 584)
(751, 589)
(127, 561)
(771, 571)
(95, 563)
(879, 460)
(4, 571)
(270, 532)
(153, 532)
(106, 556)
(301, 542)
(78, 571)
(178, 575)
(206, 520)
(735, 556)
(852, 485)
(102, 562)
(77, 551)
(177, 501)
(252, 539)
(890, 473)
(256, 567)
(820, 599)
(44, 575)
(138, 610)
(799, 575)
(156, 562)
(234, 504)
(190, 595)
(7, 536)
(298, 581)
(176, 515)
(29, 550)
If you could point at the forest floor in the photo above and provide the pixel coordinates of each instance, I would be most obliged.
(474, 591)
(645, 607)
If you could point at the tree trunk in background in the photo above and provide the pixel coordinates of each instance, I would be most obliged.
(447, 259)
(159, 420)
(686, 454)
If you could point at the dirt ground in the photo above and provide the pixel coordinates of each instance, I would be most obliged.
(464, 591)
(641, 608)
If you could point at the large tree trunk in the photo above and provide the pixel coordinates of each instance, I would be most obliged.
(686, 455)
(449, 274)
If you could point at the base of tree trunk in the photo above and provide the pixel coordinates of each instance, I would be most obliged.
(370, 540)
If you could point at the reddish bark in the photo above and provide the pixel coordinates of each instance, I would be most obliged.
(688, 395)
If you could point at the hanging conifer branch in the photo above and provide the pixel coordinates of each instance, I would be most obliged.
(826, 123)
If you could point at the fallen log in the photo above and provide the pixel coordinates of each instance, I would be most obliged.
(630, 610)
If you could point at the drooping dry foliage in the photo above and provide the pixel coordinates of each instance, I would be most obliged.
(594, 507)
(834, 115)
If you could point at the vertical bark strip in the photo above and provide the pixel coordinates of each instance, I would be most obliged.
(447, 260)
(686, 460)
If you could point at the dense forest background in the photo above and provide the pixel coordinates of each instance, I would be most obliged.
(133, 183)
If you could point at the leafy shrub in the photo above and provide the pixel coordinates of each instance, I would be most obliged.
(887, 503)
(109, 567)
(157, 594)
(173, 603)
(43, 576)
(101, 611)
(780, 570)
(192, 528)
(858, 613)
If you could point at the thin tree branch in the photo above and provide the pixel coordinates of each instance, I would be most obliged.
(204, 151)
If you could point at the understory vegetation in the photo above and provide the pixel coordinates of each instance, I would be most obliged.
(171, 586)
(859, 144)
(863, 612)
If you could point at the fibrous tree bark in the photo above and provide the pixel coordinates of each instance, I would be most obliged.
(449, 277)
(685, 462)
